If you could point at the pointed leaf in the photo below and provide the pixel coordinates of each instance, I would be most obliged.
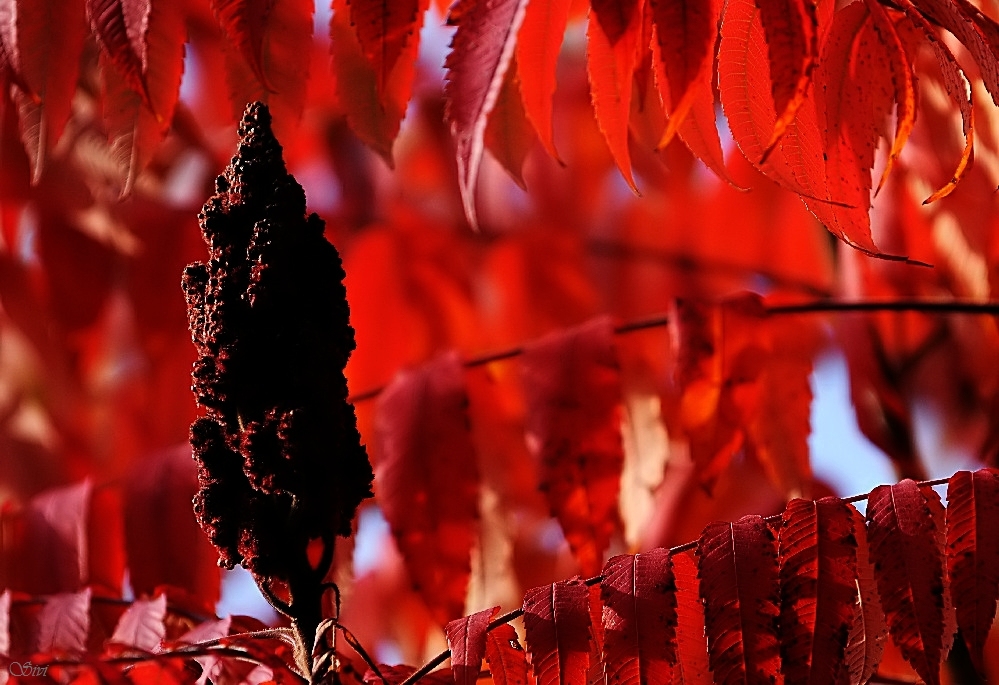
(44, 39)
(64, 623)
(466, 638)
(869, 631)
(973, 555)
(384, 27)
(506, 658)
(538, 47)
(818, 571)
(427, 480)
(791, 28)
(572, 388)
(120, 27)
(639, 618)
(245, 25)
(737, 565)
(480, 54)
(610, 66)
(557, 626)
(374, 108)
(692, 647)
(142, 624)
(509, 135)
(908, 563)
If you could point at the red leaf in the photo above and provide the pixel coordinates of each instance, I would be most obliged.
(476, 66)
(136, 125)
(396, 674)
(908, 563)
(692, 647)
(64, 623)
(509, 135)
(818, 571)
(142, 624)
(973, 555)
(610, 66)
(737, 565)
(791, 29)
(384, 27)
(211, 666)
(506, 658)
(267, 56)
(165, 545)
(374, 107)
(572, 388)
(120, 28)
(466, 638)
(639, 618)
(959, 88)
(557, 627)
(615, 17)
(427, 480)
(45, 546)
(869, 631)
(245, 24)
(44, 39)
(538, 47)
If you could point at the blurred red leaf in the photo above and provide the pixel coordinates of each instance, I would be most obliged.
(384, 28)
(142, 624)
(63, 623)
(572, 387)
(427, 480)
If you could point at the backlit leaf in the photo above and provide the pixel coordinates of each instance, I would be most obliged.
(384, 28)
(572, 388)
(869, 631)
(64, 623)
(908, 563)
(639, 618)
(973, 555)
(466, 638)
(481, 51)
(509, 135)
(557, 625)
(737, 565)
(427, 480)
(692, 645)
(506, 658)
(120, 27)
(245, 25)
(142, 624)
(818, 571)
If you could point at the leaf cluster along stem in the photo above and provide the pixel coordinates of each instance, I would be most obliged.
(814, 307)
(589, 582)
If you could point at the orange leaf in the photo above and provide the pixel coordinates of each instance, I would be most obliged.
(476, 67)
(538, 47)
(427, 480)
(610, 66)
(572, 388)
(692, 647)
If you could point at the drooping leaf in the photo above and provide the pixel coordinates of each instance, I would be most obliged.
(383, 28)
(506, 658)
(538, 47)
(120, 27)
(64, 623)
(958, 87)
(396, 674)
(973, 555)
(869, 631)
(137, 122)
(44, 41)
(737, 565)
(142, 624)
(557, 627)
(427, 479)
(572, 388)
(509, 135)
(245, 25)
(481, 51)
(466, 638)
(692, 647)
(596, 674)
(374, 108)
(818, 569)
(908, 563)
(639, 618)
(791, 29)
(611, 59)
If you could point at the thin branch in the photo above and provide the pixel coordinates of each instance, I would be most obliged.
(813, 307)
(678, 549)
